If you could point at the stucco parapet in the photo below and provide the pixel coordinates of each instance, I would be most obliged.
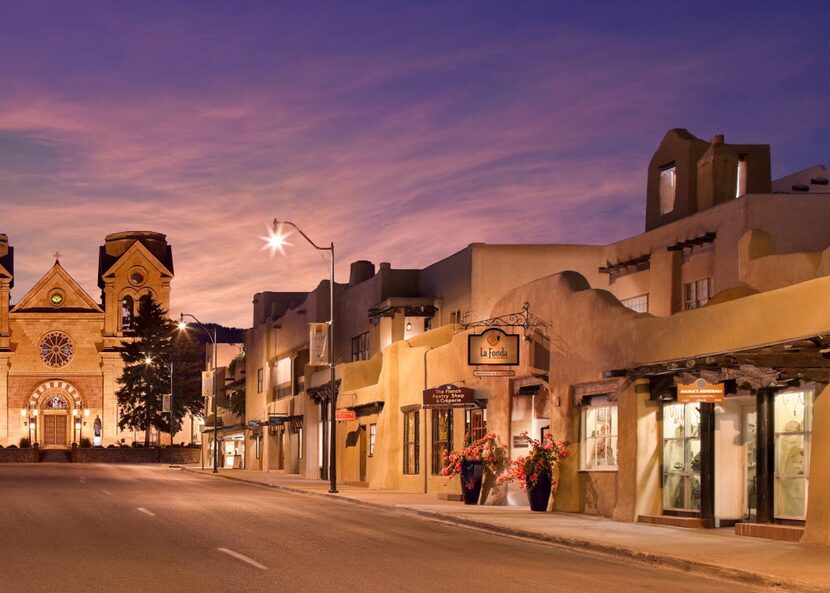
(771, 317)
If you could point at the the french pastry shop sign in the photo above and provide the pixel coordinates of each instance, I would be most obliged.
(493, 347)
(700, 391)
(448, 396)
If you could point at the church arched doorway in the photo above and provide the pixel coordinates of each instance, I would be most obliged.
(57, 405)
(55, 421)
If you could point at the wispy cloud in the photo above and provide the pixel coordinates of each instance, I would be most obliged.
(399, 147)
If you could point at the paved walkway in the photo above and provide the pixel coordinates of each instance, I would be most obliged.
(716, 551)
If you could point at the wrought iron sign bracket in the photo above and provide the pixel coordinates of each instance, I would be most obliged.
(523, 319)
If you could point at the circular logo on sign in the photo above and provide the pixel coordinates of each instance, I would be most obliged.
(700, 383)
(493, 338)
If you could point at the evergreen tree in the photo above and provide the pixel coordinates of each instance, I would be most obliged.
(146, 353)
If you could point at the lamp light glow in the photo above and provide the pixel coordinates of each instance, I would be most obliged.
(276, 239)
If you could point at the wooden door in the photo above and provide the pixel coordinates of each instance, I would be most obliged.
(54, 429)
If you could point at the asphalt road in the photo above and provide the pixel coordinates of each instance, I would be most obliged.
(113, 528)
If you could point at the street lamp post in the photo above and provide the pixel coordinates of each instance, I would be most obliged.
(276, 241)
(149, 360)
(212, 338)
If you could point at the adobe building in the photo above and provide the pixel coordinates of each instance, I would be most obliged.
(725, 285)
(59, 359)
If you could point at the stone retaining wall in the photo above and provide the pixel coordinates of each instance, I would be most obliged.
(21, 456)
(181, 455)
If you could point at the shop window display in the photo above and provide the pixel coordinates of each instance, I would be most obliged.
(681, 457)
(599, 435)
(793, 426)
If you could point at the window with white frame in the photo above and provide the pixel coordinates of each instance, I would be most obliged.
(598, 437)
(638, 303)
(697, 293)
(668, 187)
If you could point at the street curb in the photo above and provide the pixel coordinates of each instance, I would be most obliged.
(664, 560)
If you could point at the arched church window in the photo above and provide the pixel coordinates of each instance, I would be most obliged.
(55, 402)
(126, 312)
(56, 349)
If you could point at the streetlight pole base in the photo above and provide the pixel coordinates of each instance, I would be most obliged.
(333, 491)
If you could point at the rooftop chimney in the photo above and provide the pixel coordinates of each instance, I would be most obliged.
(717, 139)
(361, 271)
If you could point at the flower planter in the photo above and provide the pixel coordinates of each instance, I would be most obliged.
(538, 494)
(472, 473)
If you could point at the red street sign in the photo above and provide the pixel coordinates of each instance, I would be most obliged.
(345, 415)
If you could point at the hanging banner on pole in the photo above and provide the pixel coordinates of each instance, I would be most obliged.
(318, 340)
(166, 403)
(207, 383)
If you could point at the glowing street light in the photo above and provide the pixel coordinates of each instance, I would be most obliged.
(277, 238)
(276, 241)
(183, 326)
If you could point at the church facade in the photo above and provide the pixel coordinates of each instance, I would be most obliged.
(59, 348)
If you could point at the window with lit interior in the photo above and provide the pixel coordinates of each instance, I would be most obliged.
(598, 442)
(668, 188)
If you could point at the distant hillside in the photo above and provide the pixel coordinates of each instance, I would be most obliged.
(224, 335)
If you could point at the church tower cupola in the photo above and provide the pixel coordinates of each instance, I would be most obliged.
(133, 265)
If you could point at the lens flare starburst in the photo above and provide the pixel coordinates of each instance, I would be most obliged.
(276, 241)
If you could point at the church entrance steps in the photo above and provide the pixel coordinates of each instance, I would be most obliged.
(54, 456)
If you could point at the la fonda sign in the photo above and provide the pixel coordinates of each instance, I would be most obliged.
(493, 347)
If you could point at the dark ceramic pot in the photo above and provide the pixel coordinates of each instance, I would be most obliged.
(538, 494)
(472, 473)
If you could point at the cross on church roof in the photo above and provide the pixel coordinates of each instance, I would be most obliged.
(57, 257)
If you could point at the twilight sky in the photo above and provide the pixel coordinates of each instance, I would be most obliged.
(402, 131)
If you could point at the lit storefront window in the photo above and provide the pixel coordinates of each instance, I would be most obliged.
(599, 435)
(441, 439)
(793, 427)
(410, 442)
(475, 424)
(681, 457)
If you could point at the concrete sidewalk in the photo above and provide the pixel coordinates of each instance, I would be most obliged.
(718, 552)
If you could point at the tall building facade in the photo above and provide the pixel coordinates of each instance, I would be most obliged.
(59, 348)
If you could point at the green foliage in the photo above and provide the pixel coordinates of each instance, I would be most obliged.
(85, 443)
(25, 443)
(152, 336)
(235, 392)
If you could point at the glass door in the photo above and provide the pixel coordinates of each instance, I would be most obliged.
(750, 438)
(681, 457)
(793, 419)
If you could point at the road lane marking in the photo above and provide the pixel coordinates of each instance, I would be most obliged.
(145, 511)
(82, 481)
(243, 557)
(107, 492)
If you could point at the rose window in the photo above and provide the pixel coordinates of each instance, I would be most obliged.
(56, 349)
